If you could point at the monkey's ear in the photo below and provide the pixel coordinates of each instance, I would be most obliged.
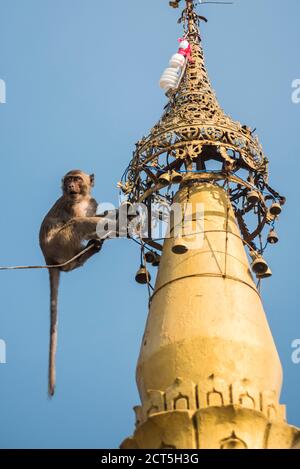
(92, 180)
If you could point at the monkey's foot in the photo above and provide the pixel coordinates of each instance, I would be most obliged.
(96, 243)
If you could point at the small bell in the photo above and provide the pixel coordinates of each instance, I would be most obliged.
(142, 276)
(267, 274)
(176, 178)
(179, 246)
(156, 260)
(150, 257)
(272, 237)
(164, 179)
(275, 209)
(259, 265)
(253, 197)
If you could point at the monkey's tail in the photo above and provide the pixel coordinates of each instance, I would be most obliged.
(54, 284)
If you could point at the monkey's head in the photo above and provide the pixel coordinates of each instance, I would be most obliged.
(77, 184)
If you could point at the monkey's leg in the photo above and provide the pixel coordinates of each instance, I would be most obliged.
(72, 236)
(97, 245)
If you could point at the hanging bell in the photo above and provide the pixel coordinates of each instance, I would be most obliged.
(176, 178)
(253, 197)
(259, 265)
(150, 257)
(142, 276)
(179, 246)
(272, 237)
(156, 260)
(267, 274)
(275, 209)
(164, 179)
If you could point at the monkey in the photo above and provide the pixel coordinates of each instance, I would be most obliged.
(70, 222)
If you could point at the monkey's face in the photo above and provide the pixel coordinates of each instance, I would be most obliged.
(77, 185)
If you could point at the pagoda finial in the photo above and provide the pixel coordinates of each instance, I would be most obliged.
(190, 18)
(193, 135)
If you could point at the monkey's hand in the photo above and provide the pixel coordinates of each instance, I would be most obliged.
(96, 243)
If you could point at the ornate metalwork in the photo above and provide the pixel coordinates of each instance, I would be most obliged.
(194, 133)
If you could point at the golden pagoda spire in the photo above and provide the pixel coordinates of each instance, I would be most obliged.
(208, 373)
(194, 90)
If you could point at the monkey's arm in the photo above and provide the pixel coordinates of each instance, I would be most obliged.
(89, 228)
(92, 209)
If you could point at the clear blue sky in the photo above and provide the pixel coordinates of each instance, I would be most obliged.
(82, 88)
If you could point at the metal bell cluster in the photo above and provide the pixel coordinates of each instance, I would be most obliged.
(254, 197)
(259, 266)
(143, 275)
(152, 258)
(170, 177)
